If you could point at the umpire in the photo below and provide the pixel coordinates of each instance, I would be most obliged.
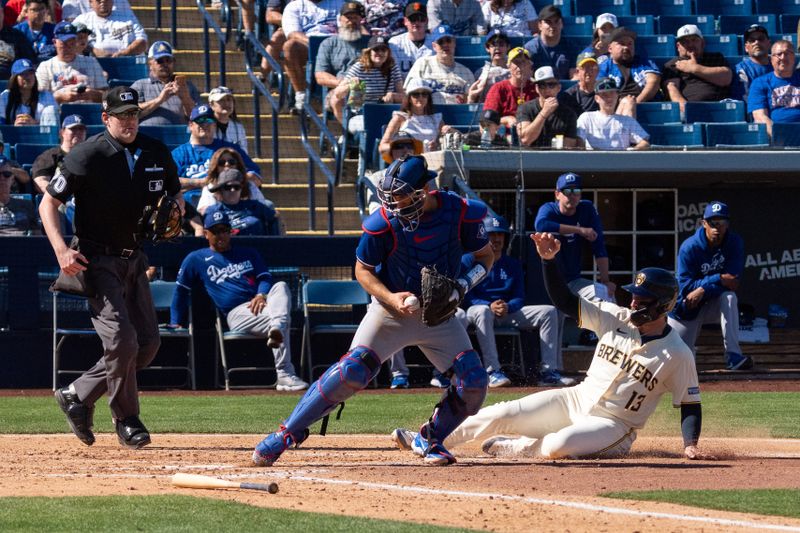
(113, 176)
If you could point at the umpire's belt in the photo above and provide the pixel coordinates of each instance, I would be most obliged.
(96, 248)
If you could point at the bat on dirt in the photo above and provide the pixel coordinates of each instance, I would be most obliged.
(196, 481)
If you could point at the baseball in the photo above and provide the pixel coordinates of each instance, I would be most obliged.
(412, 302)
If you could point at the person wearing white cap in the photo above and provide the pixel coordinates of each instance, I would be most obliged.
(417, 118)
(541, 119)
(115, 34)
(601, 37)
(164, 97)
(695, 75)
(228, 126)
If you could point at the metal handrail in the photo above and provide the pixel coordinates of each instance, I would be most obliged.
(208, 20)
(308, 114)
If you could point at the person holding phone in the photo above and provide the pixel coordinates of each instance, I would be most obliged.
(164, 97)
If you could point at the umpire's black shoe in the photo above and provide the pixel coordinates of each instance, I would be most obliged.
(78, 414)
(131, 433)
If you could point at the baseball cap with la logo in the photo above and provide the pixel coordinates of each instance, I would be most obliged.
(120, 99)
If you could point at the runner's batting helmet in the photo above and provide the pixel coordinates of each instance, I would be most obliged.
(655, 283)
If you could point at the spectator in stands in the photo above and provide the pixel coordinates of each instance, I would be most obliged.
(274, 17)
(400, 144)
(71, 77)
(380, 77)
(495, 70)
(16, 216)
(224, 158)
(774, 97)
(448, 79)
(38, 32)
(506, 96)
(192, 158)
(164, 98)
(417, 118)
(604, 129)
(463, 16)
(515, 18)
(342, 50)
(498, 133)
(546, 48)
(247, 217)
(72, 132)
(13, 45)
(542, 119)
(580, 97)
(82, 33)
(710, 266)
(73, 8)
(601, 37)
(16, 11)
(241, 287)
(22, 104)
(21, 176)
(756, 63)
(638, 79)
(695, 75)
(415, 43)
(384, 17)
(228, 126)
(302, 19)
(115, 35)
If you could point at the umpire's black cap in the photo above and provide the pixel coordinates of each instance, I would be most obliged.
(120, 99)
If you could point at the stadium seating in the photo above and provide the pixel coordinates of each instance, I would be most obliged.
(129, 68)
(736, 134)
(641, 24)
(90, 112)
(26, 154)
(728, 111)
(789, 22)
(595, 7)
(727, 45)
(29, 134)
(578, 26)
(675, 135)
(737, 24)
(670, 24)
(169, 135)
(473, 63)
(675, 8)
(471, 46)
(564, 5)
(655, 45)
(725, 7)
(778, 6)
(658, 113)
(375, 117)
(786, 135)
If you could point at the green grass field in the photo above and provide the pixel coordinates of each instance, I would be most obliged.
(725, 414)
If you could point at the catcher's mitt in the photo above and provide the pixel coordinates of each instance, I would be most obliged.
(162, 222)
(440, 297)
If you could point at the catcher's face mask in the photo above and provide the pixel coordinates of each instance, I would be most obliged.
(397, 194)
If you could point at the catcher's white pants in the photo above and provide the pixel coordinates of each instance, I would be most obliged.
(552, 423)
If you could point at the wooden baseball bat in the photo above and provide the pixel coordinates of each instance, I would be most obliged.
(197, 481)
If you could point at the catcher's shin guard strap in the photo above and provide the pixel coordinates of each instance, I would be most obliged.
(463, 398)
(352, 373)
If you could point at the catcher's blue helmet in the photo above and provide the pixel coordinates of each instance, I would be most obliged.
(401, 189)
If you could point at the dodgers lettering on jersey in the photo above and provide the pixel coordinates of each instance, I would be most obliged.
(627, 378)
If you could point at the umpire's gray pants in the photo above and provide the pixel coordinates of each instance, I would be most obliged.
(125, 320)
(722, 310)
(274, 315)
(541, 317)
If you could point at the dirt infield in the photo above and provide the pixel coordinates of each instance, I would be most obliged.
(364, 475)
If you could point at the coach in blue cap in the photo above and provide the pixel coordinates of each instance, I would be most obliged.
(710, 266)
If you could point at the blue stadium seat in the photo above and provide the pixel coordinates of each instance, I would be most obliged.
(26, 154)
(791, 37)
(90, 112)
(94, 129)
(169, 135)
(675, 8)
(786, 134)
(460, 114)
(579, 26)
(737, 24)
(786, 7)
(736, 134)
(564, 5)
(670, 24)
(675, 135)
(789, 22)
(641, 24)
(566, 84)
(727, 45)
(471, 46)
(473, 63)
(376, 116)
(29, 134)
(725, 7)
(655, 45)
(658, 113)
(124, 68)
(730, 111)
(595, 7)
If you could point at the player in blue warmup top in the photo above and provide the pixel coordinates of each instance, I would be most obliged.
(413, 229)
(239, 284)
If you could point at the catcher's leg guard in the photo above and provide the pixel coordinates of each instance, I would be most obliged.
(352, 373)
(463, 398)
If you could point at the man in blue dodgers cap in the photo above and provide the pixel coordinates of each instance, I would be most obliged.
(710, 265)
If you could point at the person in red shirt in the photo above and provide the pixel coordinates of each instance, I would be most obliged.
(505, 96)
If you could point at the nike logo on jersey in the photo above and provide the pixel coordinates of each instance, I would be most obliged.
(419, 239)
(621, 331)
(209, 258)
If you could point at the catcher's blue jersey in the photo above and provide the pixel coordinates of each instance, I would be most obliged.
(442, 237)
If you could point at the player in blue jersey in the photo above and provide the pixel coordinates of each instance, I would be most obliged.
(241, 287)
(413, 229)
(498, 301)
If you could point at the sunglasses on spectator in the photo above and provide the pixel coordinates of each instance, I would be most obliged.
(380, 49)
(232, 187)
(403, 146)
(444, 40)
(226, 162)
(6, 174)
(418, 18)
(219, 230)
(718, 223)
(548, 84)
(756, 38)
(205, 121)
(164, 60)
(127, 115)
(567, 192)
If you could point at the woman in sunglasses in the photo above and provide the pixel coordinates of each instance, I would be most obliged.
(222, 159)
(247, 217)
(416, 118)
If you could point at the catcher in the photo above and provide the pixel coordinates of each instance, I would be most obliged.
(122, 182)
(412, 246)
